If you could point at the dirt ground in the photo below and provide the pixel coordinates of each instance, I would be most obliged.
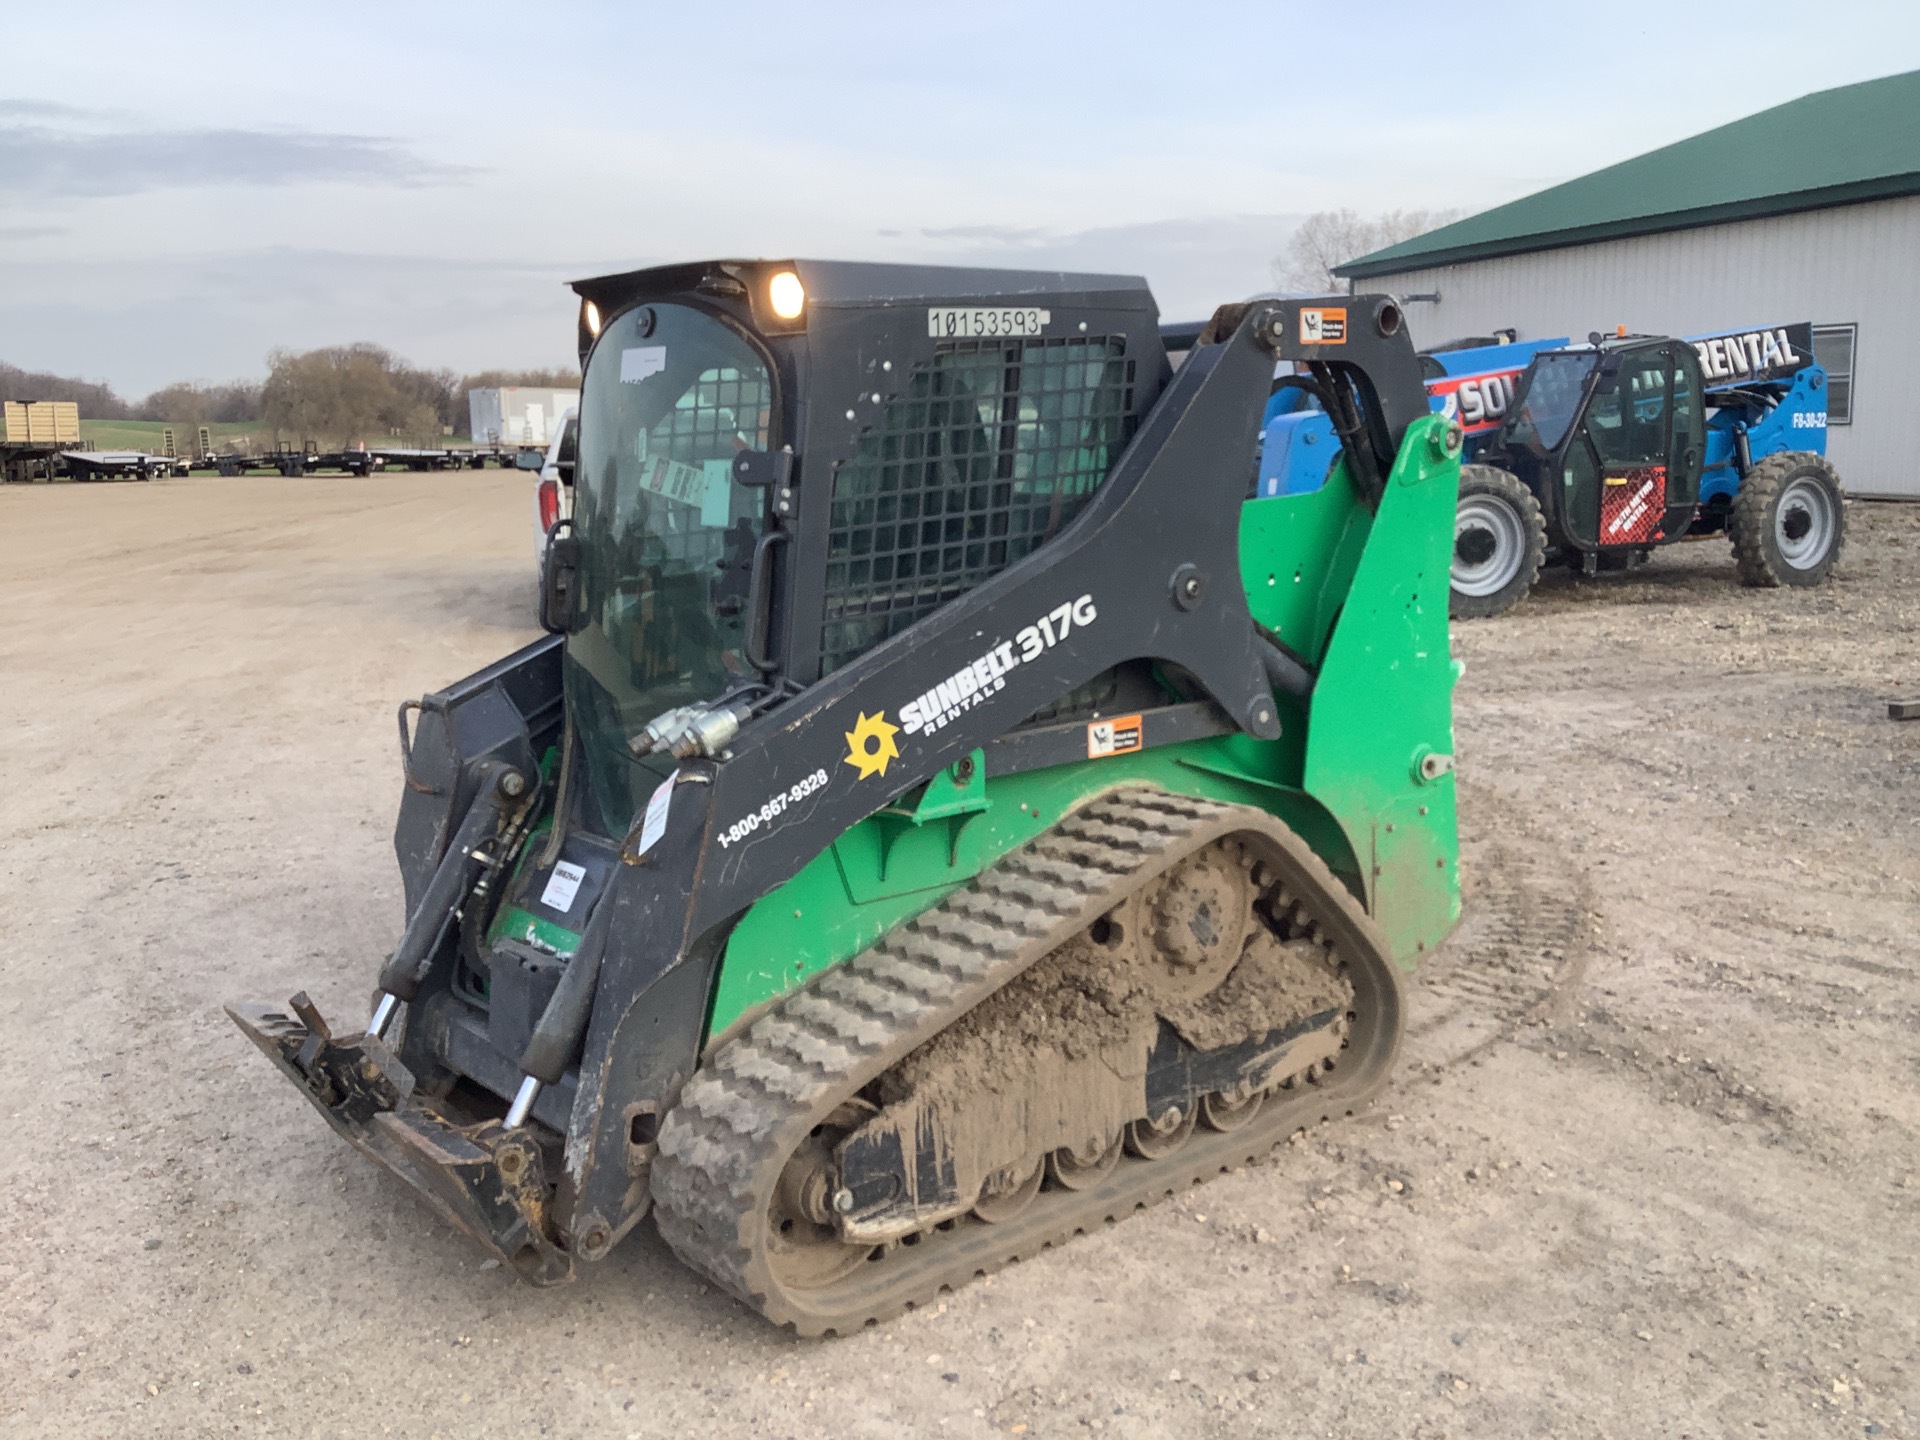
(1651, 1166)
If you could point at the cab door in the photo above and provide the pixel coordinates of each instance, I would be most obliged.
(1687, 440)
(1631, 470)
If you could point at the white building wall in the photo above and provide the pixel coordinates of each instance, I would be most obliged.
(1856, 264)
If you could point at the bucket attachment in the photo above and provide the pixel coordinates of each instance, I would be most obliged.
(483, 1180)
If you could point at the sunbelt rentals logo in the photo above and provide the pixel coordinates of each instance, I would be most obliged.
(870, 744)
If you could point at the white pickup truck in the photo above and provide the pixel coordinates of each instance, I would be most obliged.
(553, 495)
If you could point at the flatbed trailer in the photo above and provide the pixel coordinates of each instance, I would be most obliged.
(308, 460)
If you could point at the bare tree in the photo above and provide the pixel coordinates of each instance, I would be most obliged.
(190, 402)
(96, 398)
(1332, 237)
(347, 393)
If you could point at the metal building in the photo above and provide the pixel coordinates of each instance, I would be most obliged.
(1807, 211)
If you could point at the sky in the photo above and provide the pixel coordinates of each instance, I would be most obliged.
(206, 182)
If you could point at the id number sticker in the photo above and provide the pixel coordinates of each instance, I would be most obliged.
(563, 885)
(1117, 736)
(1323, 327)
(972, 322)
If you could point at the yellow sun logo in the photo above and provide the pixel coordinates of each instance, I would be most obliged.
(870, 745)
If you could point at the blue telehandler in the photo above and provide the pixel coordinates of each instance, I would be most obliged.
(1593, 454)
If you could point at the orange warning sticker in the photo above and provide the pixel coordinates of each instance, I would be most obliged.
(1323, 327)
(1113, 737)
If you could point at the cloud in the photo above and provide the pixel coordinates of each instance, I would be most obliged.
(1014, 235)
(73, 160)
(30, 232)
(1193, 264)
(43, 109)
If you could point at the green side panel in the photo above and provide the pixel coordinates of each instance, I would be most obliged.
(513, 923)
(888, 869)
(1364, 595)
(1384, 702)
(1297, 558)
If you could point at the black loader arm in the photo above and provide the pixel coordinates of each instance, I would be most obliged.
(1352, 354)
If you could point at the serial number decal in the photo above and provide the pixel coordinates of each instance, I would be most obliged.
(973, 322)
(1810, 420)
(986, 676)
(773, 809)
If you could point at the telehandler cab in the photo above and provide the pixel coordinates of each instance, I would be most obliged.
(947, 813)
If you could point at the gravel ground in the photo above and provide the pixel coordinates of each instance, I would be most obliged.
(1651, 1166)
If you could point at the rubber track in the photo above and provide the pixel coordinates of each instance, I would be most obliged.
(723, 1146)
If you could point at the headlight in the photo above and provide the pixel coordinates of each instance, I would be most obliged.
(786, 295)
(590, 313)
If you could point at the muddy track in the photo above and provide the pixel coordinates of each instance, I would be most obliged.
(725, 1145)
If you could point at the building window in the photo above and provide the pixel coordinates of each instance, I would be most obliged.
(1833, 348)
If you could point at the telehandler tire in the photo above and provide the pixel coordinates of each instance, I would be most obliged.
(1789, 521)
(1499, 543)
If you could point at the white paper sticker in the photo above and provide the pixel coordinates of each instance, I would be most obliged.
(655, 825)
(674, 479)
(563, 885)
(640, 362)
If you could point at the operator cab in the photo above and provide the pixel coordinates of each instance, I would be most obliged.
(1611, 436)
(783, 464)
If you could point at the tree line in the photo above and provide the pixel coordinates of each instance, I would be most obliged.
(337, 395)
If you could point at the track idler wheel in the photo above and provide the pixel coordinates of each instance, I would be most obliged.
(1084, 1168)
(1008, 1193)
(804, 1247)
(1159, 1138)
(1225, 1114)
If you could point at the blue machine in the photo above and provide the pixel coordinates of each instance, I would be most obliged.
(1595, 454)
(1766, 411)
(1474, 384)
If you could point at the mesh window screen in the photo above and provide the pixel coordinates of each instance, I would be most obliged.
(685, 464)
(992, 447)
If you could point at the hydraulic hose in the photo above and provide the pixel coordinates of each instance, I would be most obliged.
(404, 971)
(564, 1021)
(1284, 672)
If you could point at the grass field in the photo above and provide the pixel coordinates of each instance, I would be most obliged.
(247, 437)
(147, 435)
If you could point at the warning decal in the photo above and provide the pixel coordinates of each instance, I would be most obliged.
(1113, 737)
(1323, 327)
(1633, 502)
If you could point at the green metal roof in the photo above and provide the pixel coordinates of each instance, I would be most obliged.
(1835, 147)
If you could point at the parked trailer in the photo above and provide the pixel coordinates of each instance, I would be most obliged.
(307, 460)
(119, 465)
(32, 435)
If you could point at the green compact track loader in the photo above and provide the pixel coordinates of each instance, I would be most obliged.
(946, 813)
